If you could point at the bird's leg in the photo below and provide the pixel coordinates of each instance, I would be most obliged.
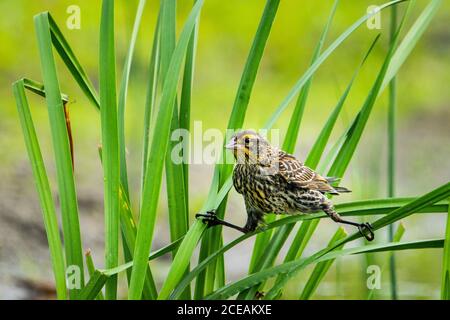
(365, 229)
(211, 219)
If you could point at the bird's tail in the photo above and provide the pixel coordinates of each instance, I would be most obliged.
(338, 190)
(342, 189)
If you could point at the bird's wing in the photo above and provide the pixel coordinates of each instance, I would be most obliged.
(299, 175)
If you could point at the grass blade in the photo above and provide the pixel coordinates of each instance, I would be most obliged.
(307, 228)
(445, 285)
(350, 209)
(432, 197)
(313, 68)
(396, 238)
(73, 65)
(391, 154)
(123, 97)
(64, 169)
(175, 181)
(38, 88)
(91, 269)
(151, 97)
(289, 144)
(152, 180)
(296, 265)
(213, 236)
(236, 120)
(43, 188)
(321, 268)
(410, 40)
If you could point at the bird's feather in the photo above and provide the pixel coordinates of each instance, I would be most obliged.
(301, 176)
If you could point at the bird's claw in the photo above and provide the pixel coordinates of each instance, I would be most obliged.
(208, 218)
(366, 230)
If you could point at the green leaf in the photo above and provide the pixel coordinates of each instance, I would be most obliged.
(307, 228)
(350, 209)
(416, 205)
(397, 236)
(61, 148)
(99, 277)
(151, 96)
(152, 180)
(445, 284)
(236, 120)
(38, 88)
(289, 143)
(70, 60)
(43, 188)
(410, 40)
(321, 268)
(91, 269)
(288, 267)
(123, 96)
(313, 68)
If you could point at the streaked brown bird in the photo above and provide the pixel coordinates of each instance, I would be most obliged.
(273, 181)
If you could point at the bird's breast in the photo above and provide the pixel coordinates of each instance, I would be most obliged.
(260, 190)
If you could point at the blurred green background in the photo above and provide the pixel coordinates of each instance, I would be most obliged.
(224, 39)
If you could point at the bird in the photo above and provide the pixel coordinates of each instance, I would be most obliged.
(274, 181)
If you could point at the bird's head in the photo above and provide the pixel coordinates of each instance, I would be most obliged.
(250, 147)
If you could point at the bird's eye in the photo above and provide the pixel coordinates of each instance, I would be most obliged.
(246, 140)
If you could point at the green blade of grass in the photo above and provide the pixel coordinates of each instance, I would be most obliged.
(410, 40)
(359, 208)
(237, 119)
(338, 168)
(238, 286)
(128, 232)
(312, 69)
(43, 188)
(175, 181)
(99, 277)
(397, 236)
(66, 183)
(110, 142)
(210, 243)
(289, 144)
(321, 268)
(38, 88)
(91, 269)
(73, 65)
(432, 197)
(290, 140)
(126, 217)
(445, 284)
(123, 96)
(159, 143)
(307, 228)
(153, 73)
(185, 103)
(391, 154)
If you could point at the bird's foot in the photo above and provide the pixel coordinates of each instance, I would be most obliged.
(366, 231)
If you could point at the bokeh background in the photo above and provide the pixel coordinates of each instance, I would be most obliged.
(225, 34)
